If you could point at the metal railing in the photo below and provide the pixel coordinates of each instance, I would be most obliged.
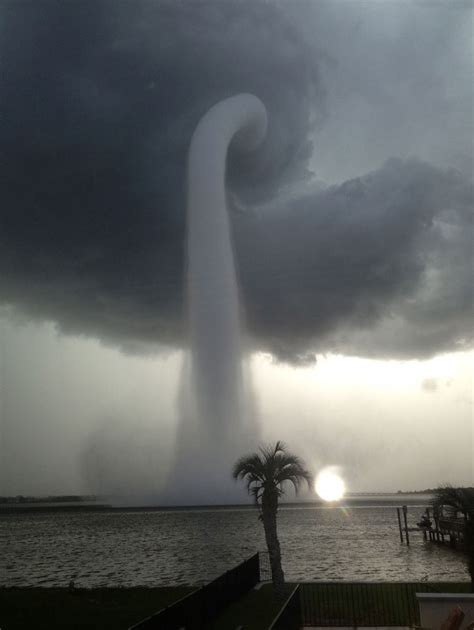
(265, 569)
(358, 604)
(203, 605)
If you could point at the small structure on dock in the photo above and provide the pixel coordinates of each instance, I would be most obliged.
(435, 525)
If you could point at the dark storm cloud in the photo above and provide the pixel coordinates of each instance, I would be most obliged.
(99, 101)
(394, 245)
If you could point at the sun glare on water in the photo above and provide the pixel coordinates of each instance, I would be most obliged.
(329, 485)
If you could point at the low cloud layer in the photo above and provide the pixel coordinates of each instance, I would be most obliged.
(99, 101)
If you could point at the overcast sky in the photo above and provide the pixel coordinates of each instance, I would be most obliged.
(352, 229)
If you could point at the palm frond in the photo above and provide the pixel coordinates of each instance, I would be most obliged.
(266, 472)
(295, 474)
(249, 464)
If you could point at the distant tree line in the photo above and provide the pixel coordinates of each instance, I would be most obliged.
(64, 498)
(425, 491)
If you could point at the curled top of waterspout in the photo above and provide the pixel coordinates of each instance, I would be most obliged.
(253, 131)
(240, 120)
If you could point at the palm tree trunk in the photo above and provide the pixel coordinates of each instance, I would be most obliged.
(273, 545)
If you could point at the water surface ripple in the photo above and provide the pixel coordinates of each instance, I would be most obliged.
(157, 548)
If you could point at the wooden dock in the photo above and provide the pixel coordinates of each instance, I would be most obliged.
(442, 529)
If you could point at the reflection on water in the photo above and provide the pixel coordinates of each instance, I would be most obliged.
(192, 546)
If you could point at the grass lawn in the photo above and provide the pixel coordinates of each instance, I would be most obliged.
(99, 608)
(254, 611)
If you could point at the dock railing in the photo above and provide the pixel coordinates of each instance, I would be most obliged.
(438, 527)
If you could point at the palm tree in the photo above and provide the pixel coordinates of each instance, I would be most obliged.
(460, 501)
(265, 473)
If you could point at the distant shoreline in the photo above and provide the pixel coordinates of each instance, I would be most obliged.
(99, 499)
(355, 500)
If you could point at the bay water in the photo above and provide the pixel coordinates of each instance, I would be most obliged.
(355, 542)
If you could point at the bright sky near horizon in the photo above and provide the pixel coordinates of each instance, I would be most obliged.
(388, 425)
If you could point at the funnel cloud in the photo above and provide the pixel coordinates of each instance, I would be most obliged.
(216, 426)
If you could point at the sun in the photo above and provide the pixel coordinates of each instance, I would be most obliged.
(329, 485)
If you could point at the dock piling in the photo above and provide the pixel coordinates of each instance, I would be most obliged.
(405, 510)
(400, 524)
